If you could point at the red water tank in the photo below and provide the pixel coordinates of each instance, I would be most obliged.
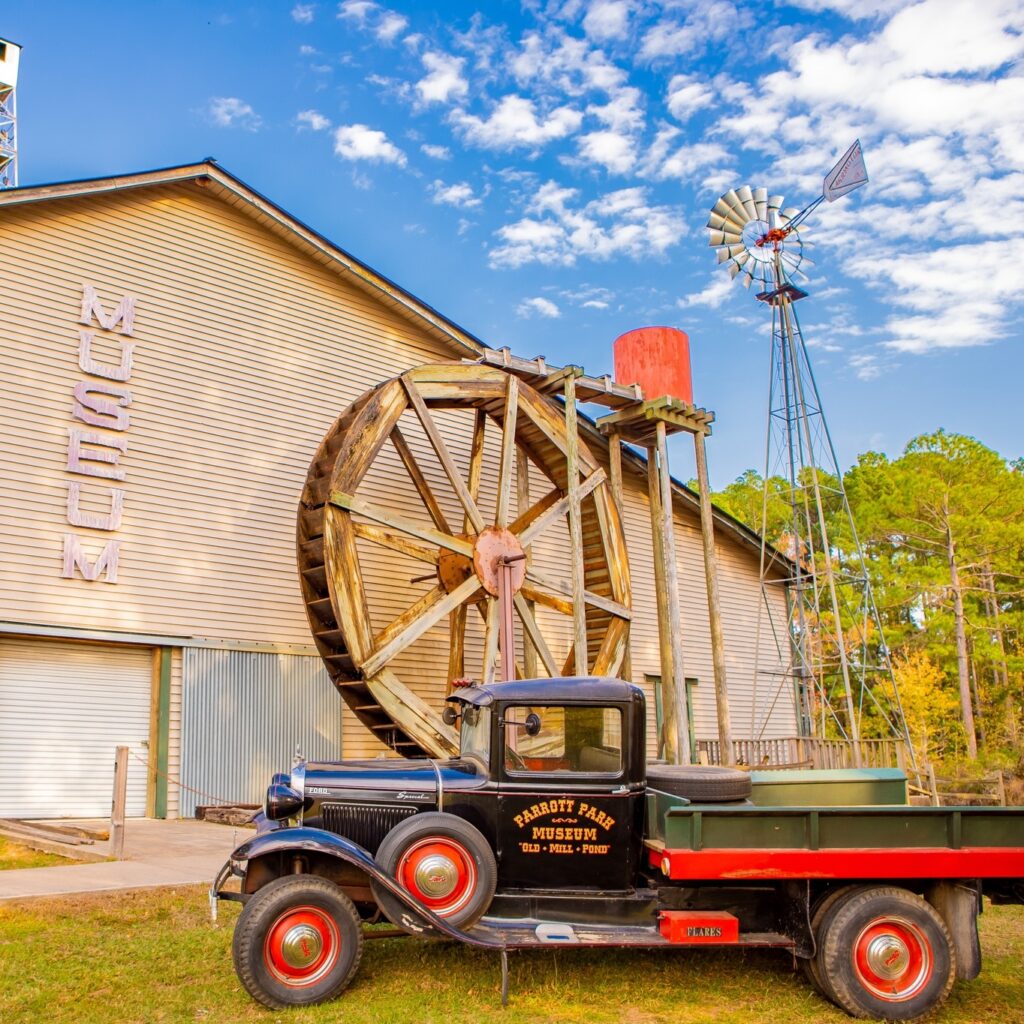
(656, 358)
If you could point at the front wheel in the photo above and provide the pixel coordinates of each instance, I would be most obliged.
(297, 942)
(886, 953)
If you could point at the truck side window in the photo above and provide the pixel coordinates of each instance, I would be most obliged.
(570, 739)
(475, 739)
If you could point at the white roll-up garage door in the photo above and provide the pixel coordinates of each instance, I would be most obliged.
(64, 707)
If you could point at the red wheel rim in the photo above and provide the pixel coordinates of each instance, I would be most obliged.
(439, 872)
(302, 946)
(893, 958)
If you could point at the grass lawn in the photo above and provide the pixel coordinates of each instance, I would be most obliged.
(153, 956)
(14, 855)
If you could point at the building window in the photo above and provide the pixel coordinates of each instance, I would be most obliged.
(659, 713)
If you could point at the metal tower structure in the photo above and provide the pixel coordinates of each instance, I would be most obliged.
(10, 54)
(830, 647)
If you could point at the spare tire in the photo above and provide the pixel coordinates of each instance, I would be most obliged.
(700, 783)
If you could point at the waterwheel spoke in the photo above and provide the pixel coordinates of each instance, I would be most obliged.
(559, 508)
(564, 590)
(476, 460)
(491, 640)
(528, 515)
(351, 503)
(415, 621)
(508, 450)
(409, 461)
(457, 645)
(533, 633)
(395, 541)
(444, 456)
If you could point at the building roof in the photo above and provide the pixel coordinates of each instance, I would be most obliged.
(209, 175)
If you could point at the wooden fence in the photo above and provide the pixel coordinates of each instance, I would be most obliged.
(808, 752)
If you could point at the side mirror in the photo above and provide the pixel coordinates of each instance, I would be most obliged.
(449, 715)
(532, 724)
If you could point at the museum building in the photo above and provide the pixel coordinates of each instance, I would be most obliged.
(176, 347)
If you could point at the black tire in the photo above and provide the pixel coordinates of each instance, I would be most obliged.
(444, 862)
(700, 783)
(887, 954)
(297, 942)
(823, 907)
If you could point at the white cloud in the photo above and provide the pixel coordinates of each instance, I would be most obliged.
(539, 307)
(865, 365)
(436, 152)
(356, 10)
(686, 95)
(712, 296)
(360, 142)
(607, 20)
(458, 194)
(444, 81)
(514, 123)
(556, 65)
(595, 304)
(313, 120)
(958, 295)
(390, 25)
(231, 112)
(709, 21)
(303, 13)
(614, 152)
(308, 51)
(558, 231)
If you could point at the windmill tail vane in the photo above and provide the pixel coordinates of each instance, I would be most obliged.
(824, 644)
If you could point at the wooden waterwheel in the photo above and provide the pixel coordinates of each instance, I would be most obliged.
(399, 557)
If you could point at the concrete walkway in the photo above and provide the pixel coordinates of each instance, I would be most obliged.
(156, 853)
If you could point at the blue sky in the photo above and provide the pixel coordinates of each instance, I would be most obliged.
(542, 172)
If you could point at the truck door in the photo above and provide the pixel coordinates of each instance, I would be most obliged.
(566, 813)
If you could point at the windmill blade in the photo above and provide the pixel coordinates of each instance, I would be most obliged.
(724, 238)
(737, 211)
(716, 222)
(761, 203)
(729, 252)
(724, 216)
(746, 197)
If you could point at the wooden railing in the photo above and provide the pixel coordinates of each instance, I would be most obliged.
(809, 752)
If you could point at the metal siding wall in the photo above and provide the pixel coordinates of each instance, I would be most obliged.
(243, 712)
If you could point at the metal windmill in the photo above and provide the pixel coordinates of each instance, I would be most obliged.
(831, 646)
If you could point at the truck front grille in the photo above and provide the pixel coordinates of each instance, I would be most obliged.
(365, 824)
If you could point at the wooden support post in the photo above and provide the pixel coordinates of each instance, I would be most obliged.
(707, 533)
(117, 803)
(615, 479)
(677, 680)
(572, 466)
(522, 504)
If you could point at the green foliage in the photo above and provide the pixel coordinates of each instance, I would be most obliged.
(942, 529)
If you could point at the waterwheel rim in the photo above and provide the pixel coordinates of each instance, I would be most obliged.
(505, 423)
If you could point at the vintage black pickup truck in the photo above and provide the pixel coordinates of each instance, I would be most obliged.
(551, 829)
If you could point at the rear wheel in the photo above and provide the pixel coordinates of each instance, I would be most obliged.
(819, 914)
(444, 862)
(886, 953)
(297, 942)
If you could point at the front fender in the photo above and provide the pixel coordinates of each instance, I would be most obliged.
(315, 840)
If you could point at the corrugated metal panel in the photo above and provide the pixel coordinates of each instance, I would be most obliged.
(243, 713)
(64, 707)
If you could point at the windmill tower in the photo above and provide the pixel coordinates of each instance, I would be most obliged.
(10, 53)
(831, 647)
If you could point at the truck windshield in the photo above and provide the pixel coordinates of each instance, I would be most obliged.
(476, 734)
